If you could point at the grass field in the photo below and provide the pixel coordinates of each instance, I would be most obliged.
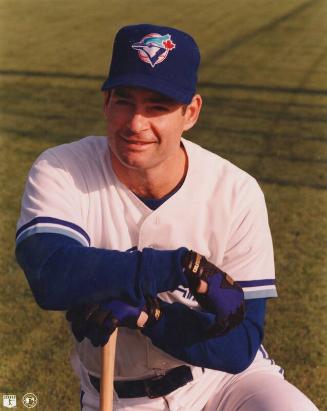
(263, 79)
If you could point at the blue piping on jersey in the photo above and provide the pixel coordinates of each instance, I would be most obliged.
(37, 229)
(266, 293)
(266, 357)
(51, 220)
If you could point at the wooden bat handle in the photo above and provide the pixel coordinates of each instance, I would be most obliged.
(107, 373)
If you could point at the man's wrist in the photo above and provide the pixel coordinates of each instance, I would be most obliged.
(142, 320)
(203, 287)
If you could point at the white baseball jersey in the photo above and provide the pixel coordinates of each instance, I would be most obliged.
(219, 212)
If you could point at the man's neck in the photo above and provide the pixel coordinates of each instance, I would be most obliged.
(152, 183)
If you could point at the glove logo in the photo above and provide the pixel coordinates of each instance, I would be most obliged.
(154, 48)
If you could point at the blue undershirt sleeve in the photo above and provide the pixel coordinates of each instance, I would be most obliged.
(64, 274)
(181, 333)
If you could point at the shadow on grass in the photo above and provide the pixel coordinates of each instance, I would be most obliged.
(204, 84)
(267, 27)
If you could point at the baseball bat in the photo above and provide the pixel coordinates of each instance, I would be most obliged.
(107, 373)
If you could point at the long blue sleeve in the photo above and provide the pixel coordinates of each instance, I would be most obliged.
(181, 332)
(63, 274)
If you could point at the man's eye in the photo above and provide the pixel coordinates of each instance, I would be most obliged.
(123, 102)
(160, 108)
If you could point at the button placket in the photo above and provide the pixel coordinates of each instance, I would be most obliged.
(146, 234)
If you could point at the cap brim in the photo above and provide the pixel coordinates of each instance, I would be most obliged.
(158, 85)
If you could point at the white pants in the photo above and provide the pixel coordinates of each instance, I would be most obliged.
(261, 387)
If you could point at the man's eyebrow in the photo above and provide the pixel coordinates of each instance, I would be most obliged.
(160, 99)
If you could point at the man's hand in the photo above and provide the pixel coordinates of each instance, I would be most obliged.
(98, 322)
(215, 291)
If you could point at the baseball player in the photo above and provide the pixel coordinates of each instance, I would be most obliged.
(148, 232)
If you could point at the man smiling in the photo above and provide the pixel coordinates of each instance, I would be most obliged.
(145, 130)
(106, 233)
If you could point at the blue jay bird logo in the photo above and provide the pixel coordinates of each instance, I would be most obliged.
(154, 48)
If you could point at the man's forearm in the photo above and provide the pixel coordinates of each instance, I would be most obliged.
(63, 274)
(181, 332)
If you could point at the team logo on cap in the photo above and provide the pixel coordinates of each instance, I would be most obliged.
(154, 48)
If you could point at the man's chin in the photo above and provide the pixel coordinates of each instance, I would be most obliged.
(136, 161)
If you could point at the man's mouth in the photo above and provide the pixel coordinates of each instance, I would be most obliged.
(137, 142)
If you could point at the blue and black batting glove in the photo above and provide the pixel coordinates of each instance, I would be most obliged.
(224, 297)
(79, 318)
(98, 322)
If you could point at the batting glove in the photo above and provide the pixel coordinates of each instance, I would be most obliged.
(98, 322)
(224, 297)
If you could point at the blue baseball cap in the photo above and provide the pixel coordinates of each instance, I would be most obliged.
(158, 58)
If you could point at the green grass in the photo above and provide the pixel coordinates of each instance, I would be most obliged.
(263, 79)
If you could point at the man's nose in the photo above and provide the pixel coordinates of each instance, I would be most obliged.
(137, 122)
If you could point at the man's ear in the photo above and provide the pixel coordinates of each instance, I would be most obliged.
(192, 112)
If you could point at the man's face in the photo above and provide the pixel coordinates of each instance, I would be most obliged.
(145, 127)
